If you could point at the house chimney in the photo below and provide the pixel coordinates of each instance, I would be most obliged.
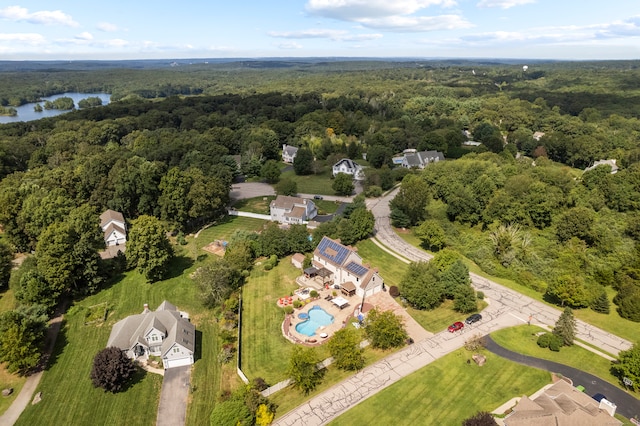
(146, 308)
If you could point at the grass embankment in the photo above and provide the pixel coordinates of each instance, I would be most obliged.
(612, 322)
(68, 395)
(522, 339)
(259, 205)
(446, 392)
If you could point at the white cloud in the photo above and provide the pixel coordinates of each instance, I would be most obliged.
(418, 23)
(84, 36)
(116, 42)
(503, 4)
(336, 35)
(27, 38)
(354, 10)
(396, 16)
(107, 27)
(46, 17)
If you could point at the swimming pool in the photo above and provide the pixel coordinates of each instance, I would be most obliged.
(318, 317)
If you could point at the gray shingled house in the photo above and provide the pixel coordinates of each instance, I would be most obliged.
(165, 332)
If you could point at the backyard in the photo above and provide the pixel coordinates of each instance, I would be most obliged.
(68, 395)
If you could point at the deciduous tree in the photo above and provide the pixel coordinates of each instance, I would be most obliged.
(343, 184)
(385, 329)
(303, 368)
(21, 337)
(111, 370)
(148, 248)
(6, 259)
(421, 286)
(345, 349)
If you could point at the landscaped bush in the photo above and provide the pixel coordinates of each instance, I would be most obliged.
(394, 291)
(297, 304)
(260, 384)
(268, 266)
(551, 341)
(480, 295)
(313, 293)
(288, 310)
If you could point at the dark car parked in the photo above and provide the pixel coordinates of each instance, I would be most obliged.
(473, 318)
(317, 197)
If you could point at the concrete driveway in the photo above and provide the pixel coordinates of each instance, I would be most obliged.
(172, 409)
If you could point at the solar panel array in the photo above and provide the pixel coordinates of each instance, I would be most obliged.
(341, 251)
(357, 269)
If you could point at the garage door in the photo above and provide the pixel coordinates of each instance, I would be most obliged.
(179, 362)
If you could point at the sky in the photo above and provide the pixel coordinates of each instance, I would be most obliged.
(160, 29)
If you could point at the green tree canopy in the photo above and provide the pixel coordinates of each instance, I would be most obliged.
(345, 349)
(148, 248)
(421, 286)
(385, 329)
(566, 327)
(303, 162)
(303, 368)
(343, 184)
(21, 337)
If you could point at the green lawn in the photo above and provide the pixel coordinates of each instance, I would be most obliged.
(326, 207)
(446, 392)
(265, 351)
(312, 184)
(522, 339)
(222, 230)
(8, 380)
(258, 205)
(611, 322)
(68, 395)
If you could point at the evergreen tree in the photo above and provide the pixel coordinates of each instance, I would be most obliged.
(303, 163)
(566, 327)
(601, 302)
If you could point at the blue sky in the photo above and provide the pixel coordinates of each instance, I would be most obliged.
(139, 29)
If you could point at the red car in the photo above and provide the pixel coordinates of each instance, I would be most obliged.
(456, 326)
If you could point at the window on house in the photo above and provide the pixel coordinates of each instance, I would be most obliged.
(176, 350)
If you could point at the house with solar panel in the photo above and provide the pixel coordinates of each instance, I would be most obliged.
(344, 268)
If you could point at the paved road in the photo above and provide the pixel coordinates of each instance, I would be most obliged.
(510, 302)
(172, 409)
(240, 191)
(628, 406)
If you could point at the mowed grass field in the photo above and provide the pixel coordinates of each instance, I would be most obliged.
(446, 392)
(68, 395)
(312, 184)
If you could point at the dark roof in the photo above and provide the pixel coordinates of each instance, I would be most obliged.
(356, 268)
(332, 250)
(350, 163)
(290, 150)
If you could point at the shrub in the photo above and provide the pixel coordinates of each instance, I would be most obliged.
(313, 293)
(480, 295)
(394, 291)
(543, 340)
(288, 310)
(297, 304)
(180, 238)
(268, 266)
(260, 384)
(373, 191)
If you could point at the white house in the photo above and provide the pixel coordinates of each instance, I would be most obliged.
(413, 158)
(165, 332)
(114, 228)
(349, 167)
(289, 153)
(611, 163)
(285, 209)
(346, 268)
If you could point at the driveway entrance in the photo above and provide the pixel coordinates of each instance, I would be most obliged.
(172, 409)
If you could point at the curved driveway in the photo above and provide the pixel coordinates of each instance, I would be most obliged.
(628, 406)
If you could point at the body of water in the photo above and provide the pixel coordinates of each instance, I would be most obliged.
(318, 317)
(26, 112)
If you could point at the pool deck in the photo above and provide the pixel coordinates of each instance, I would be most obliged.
(343, 317)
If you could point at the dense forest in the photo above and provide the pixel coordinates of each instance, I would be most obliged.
(520, 206)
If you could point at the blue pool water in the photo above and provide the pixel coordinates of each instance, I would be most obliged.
(318, 317)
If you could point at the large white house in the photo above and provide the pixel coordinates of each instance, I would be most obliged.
(346, 268)
(289, 153)
(293, 210)
(412, 158)
(165, 332)
(349, 167)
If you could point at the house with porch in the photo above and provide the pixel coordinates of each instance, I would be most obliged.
(344, 268)
(292, 210)
(165, 332)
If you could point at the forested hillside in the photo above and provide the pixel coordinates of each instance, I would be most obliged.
(544, 223)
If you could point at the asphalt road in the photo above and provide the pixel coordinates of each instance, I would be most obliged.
(628, 406)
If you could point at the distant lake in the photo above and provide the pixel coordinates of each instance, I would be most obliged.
(26, 112)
